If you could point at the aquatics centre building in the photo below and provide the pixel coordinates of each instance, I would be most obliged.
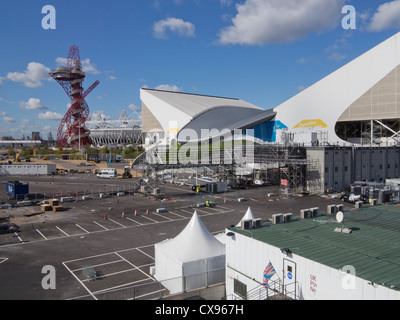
(348, 122)
(356, 105)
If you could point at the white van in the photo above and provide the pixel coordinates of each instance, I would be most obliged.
(107, 173)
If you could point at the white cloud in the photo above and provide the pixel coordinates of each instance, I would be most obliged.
(333, 50)
(387, 16)
(50, 116)
(174, 25)
(8, 120)
(168, 87)
(33, 76)
(337, 56)
(61, 62)
(32, 104)
(87, 65)
(133, 107)
(99, 115)
(260, 22)
(226, 2)
(112, 78)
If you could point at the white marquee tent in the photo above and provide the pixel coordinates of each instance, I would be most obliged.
(248, 216)
(193, 259)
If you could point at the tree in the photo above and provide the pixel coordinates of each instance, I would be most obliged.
(11, 151)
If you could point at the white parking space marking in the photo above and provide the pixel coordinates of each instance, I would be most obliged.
(41, 234)
(151, 219)
(19, 238)
(135, 266)
(62, 231)
(118, 271)
(178, 215)
(100, 225)
(162, 216)
(82, 284)
(145, 219)
(120, 224)
(82, 228)
(98, 265)
(145, 253)
(134, 221)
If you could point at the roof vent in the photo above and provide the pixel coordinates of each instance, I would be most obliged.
(305, 213)
(277, 218)
(343, 230)
(246, 224)
(314, 211)
(288, 217)
(257, 223)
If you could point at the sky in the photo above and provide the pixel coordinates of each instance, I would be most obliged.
(261, 51)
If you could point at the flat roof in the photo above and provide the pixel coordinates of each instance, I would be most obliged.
(373, 247)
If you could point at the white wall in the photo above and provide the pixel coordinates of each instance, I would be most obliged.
(247, 258)
(27, 169)
(330, 97)
(164, 111)
(168, 270)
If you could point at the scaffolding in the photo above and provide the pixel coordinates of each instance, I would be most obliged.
(279, 164)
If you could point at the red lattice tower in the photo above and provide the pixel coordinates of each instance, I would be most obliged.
(72, 129)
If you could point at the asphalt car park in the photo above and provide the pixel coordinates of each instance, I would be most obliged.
(104, 248)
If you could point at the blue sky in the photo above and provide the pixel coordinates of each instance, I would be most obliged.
(261, 51)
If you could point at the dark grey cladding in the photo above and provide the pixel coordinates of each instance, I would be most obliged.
(224, 119)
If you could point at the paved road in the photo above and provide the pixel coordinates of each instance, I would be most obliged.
(119, 248)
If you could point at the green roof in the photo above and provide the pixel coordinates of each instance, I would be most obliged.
(373, 247)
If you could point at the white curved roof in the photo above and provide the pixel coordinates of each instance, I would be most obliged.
(182, 107)
(195, 242)
(323, 103)
(248, 216)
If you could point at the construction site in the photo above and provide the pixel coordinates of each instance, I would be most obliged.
(218, 182)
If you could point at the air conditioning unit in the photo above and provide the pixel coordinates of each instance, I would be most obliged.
(277, 218)
(340, 207)
(332, 209)
(246, 224)
(257, 223)
(288, 217)
(305, 213)
(359, 204)
(314, 211)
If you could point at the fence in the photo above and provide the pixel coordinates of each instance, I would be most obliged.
(151, 291)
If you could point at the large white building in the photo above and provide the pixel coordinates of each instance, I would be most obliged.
(165, 113)
(357, 104)
(312, 259)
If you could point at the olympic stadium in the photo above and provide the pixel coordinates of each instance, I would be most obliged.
(125, 130)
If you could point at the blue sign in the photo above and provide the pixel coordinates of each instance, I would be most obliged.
(289, 275)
